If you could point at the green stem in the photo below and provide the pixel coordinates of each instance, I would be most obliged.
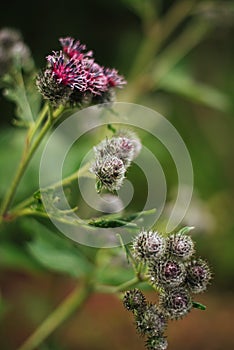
(22, 167)
(82, 172)
(158, 33)
(74, 176)
(27, 155)
(122, 287)
(38, 123)
(74, 301)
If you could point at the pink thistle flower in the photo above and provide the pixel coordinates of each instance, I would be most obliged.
(72, 76)
(67, 72)
(74, 49)
(113, 78)
(95, 78)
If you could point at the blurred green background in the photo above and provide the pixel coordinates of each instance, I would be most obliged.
(178, 59)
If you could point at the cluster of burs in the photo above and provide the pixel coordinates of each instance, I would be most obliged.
(175, 272)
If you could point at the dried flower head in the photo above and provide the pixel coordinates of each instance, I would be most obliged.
(149, 245)
(152, 322)
(198, 275)
(134, 300)
(167, 273)
(181, 246)
(109, 171)
(175, 302)
(156, 343)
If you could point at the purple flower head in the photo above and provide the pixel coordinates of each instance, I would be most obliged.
(95, 77)
(74, 49)
(175, 302)
(167, 273)
(66, 72)
(75, 69)
(198, 275)
(109, 171)
(113, 78)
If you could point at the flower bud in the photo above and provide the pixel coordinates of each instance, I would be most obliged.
(175, 302)
(51, 89)
(152, 322)
(132, 136)
(149, 245)
(198, 275)
(156, 343)
(134, 300)
(167, 273)
(181, 246)
(109, 171)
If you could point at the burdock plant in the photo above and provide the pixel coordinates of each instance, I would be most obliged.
(72, 80)
(175, 273)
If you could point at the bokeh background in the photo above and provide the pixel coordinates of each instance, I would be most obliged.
(178, 59)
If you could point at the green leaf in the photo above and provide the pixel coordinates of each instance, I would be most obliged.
(116, 220)
(199, 306)
(57, 253)
(23, 93)
(185, 230)
(111, 128)
(179, 82)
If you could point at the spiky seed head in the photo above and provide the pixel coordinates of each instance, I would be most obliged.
(132, 136)
(198, 275)
(51, 89)
(134, 300)
(121, 147)
(109, 171)
(156, 343)
(176, 302)
(149, 245)
(152, 322)
(181, 246)
(167, 273)
(124, 149)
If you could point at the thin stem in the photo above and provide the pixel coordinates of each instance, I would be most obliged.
(122, 287)
(27, 155)
(158, 33)
(185, 42)
(82, 172)
(22, 167)
(74, 301)
(77, 174)
(38, 123)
